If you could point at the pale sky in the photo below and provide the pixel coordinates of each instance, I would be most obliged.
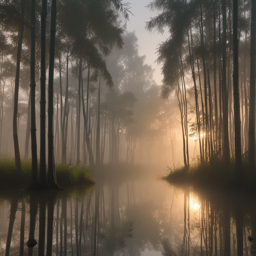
(147, 41)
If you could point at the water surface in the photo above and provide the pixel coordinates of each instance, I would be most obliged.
(145, 217)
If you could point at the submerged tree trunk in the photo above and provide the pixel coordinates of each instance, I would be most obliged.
(16, 93)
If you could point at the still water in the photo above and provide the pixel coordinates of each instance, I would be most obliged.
(142, 217)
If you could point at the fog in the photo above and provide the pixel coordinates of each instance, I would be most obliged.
(129, 127)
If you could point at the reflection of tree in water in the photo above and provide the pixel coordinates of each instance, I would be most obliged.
(223, 226)
(111, 226)
(125, 219)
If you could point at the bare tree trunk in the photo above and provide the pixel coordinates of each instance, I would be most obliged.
(79, 112)
(238, 149)
(27, 129)
(16, 92)
(51, 162)
(98, 128)
(43, 98)
(33, 103)
(64, 122)
(226, 152)
(252, 88)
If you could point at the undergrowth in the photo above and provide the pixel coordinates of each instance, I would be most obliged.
(67, 175)
(215, 175)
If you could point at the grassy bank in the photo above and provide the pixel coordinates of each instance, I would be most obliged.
(67, 175)
(215, 176)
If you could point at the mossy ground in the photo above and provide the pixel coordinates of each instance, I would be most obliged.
(67, 175)
(215, 175)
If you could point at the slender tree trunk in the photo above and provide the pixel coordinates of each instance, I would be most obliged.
(16, 92)
(238, 150)
(51, 164)
(196, 94)
(64, 121)
(86, 122)
(205, 84)
(98, 129)
(43, 98)
(33, 95)
(57, 130)
(103, 141)
(215, 82)
(226, 153)
(211, 119)
(252, 88)
(79, 112)
(28, 126)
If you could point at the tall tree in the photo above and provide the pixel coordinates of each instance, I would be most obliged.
(98, 128)
(43, 100)
(251, 146)
(16, 92)
(33, 96)
(51, 165)
(226, 152)
(238, 151)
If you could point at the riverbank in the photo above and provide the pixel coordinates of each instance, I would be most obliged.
(214, 175)
(68, 176)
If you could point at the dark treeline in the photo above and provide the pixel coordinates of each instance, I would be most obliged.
(212, 44)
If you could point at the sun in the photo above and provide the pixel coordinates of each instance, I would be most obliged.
(194, 204)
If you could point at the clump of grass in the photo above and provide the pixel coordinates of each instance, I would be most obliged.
(215, 175)
(67, 175)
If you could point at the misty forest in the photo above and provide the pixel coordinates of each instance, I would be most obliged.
(128, 128)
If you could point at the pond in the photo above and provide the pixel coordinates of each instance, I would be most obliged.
(145, 217)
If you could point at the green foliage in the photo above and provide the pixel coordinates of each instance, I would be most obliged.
(67, 175)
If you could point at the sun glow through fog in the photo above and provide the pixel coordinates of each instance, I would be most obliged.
(194, 204)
